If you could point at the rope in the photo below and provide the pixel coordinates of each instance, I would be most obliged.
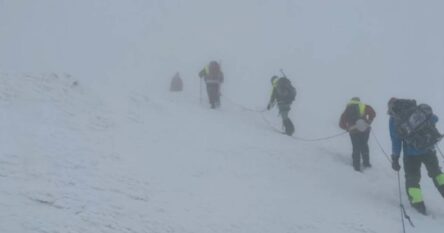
(243, 107)
(320, 139)
(277, 130)
(300, 138)
(404, 214)
(382, 149)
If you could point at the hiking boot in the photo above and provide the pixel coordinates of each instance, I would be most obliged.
(289, 127)
(367, 165)
(356, 163)
(420, 207)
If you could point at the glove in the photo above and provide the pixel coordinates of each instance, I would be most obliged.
(395, 163)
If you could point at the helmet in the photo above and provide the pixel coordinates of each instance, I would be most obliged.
(355, 99)
(274, 78)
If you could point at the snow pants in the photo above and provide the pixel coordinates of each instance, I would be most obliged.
(412, 169)
(360, 149)
(284, 109)
(213, 91)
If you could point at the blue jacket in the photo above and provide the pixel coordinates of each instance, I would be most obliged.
(398, 143)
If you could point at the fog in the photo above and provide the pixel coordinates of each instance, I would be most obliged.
(331, 50)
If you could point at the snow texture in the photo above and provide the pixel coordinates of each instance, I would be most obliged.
(92, 141)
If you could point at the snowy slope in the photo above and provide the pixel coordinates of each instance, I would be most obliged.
(71, 162)
(92, 142)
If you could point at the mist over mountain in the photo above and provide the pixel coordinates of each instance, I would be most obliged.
(117, 136)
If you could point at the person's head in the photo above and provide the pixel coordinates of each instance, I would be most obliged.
(214, 67)
(273, 79)
(357, 99)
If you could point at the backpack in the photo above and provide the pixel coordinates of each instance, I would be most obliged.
(352, 113)
(214, 67)
(401, 109)
(285, 90)
(214, 72)
(414, 124)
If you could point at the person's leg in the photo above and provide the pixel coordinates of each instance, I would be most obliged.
(412, 169)
(218, 94)
(431, 162)
(356, 151)
(212, 90)
(289, 127)
(284, 109)
(365, 152)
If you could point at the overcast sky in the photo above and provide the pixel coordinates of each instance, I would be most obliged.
(350, 41)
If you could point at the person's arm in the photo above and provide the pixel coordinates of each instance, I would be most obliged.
(272, 99)
(203, 73)
(371, 114)
(343, 122)
(396, 145)
(435, 119)
(396, 140)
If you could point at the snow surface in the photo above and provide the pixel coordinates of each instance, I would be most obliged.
(91, 141)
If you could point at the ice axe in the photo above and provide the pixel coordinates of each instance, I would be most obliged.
(283, 73)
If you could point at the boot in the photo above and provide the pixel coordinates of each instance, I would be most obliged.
(289, 127)
(420, 207)
(366, 162)
(356, 162)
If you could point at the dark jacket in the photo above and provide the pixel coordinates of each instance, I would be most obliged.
(176, 83)
(275, 97)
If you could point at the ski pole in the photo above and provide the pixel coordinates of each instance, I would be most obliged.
(200, 91)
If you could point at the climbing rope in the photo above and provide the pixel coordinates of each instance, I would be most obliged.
(380, 147)
(300, 138)
(270, 125)
(243, 107)
(404, 214)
